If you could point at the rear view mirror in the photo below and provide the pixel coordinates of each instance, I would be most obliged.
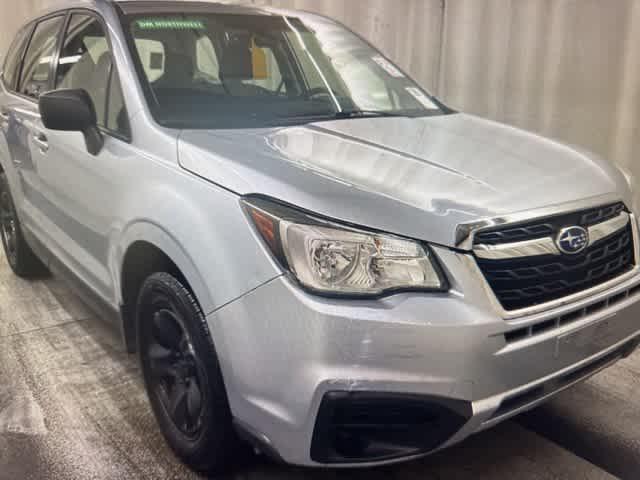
(237, 59)
(72, 111)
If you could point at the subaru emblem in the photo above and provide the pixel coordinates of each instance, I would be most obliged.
(572, 240)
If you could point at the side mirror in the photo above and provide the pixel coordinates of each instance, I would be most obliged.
(72, 111)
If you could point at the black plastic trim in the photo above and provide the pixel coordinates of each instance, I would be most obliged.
(99, 305)
(128, 327)
(450, 416)
(246, 433)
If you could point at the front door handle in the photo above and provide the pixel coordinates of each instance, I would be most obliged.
(40, 139)
(4, 115)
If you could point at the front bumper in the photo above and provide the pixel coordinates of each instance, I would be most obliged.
(283, 352)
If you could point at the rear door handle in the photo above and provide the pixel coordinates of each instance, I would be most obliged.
(40, 139)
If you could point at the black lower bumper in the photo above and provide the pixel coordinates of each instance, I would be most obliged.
(360, 427)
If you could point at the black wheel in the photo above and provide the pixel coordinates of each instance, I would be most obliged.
(182, 376)
(21, 258)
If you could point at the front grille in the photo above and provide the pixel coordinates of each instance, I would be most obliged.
(545, 326)
(548, 226)
(526, 281)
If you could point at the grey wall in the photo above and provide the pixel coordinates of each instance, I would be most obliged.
(13, 13)
(567, 68)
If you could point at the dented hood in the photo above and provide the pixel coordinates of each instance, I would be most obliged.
(418, 177)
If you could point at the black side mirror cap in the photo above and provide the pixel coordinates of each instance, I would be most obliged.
(72, 111)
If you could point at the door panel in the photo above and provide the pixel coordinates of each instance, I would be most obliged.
(11, 146)
(24, 124)
(75, 187)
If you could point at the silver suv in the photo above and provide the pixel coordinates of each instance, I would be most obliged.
(307, 250)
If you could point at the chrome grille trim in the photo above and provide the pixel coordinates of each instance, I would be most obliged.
(603, 230)
(547, 245)
(472, 266)
(465, 232)
(528, 248)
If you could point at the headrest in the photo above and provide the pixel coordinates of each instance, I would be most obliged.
(179, 70)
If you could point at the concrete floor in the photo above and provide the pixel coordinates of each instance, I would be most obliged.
(72, 406)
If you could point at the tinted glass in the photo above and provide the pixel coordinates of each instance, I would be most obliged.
(229, 70)
(86, 63)
(12, 64)
(37, 63)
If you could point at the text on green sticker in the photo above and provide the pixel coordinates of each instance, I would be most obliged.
(170, 24)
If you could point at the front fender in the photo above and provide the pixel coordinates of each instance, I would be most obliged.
(147, 231)
(203, 230)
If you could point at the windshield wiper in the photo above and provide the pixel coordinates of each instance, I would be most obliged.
(367, 113)
(345, 114)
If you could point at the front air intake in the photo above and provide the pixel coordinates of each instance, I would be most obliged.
(355, 427)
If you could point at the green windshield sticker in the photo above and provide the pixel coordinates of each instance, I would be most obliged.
(170, 24)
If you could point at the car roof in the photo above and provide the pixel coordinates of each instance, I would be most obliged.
(160, 6)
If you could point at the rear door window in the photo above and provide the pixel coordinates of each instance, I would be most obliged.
(36, 70)
(14, 57)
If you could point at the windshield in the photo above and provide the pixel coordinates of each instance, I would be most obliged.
(240, 70)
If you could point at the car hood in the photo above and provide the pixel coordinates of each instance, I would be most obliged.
(418, 177)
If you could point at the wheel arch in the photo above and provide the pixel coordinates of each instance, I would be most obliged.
(147, 249)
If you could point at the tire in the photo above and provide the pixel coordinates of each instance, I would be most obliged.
(183, 377)
(20, 257)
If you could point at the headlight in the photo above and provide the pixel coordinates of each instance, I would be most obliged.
(333, 259)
